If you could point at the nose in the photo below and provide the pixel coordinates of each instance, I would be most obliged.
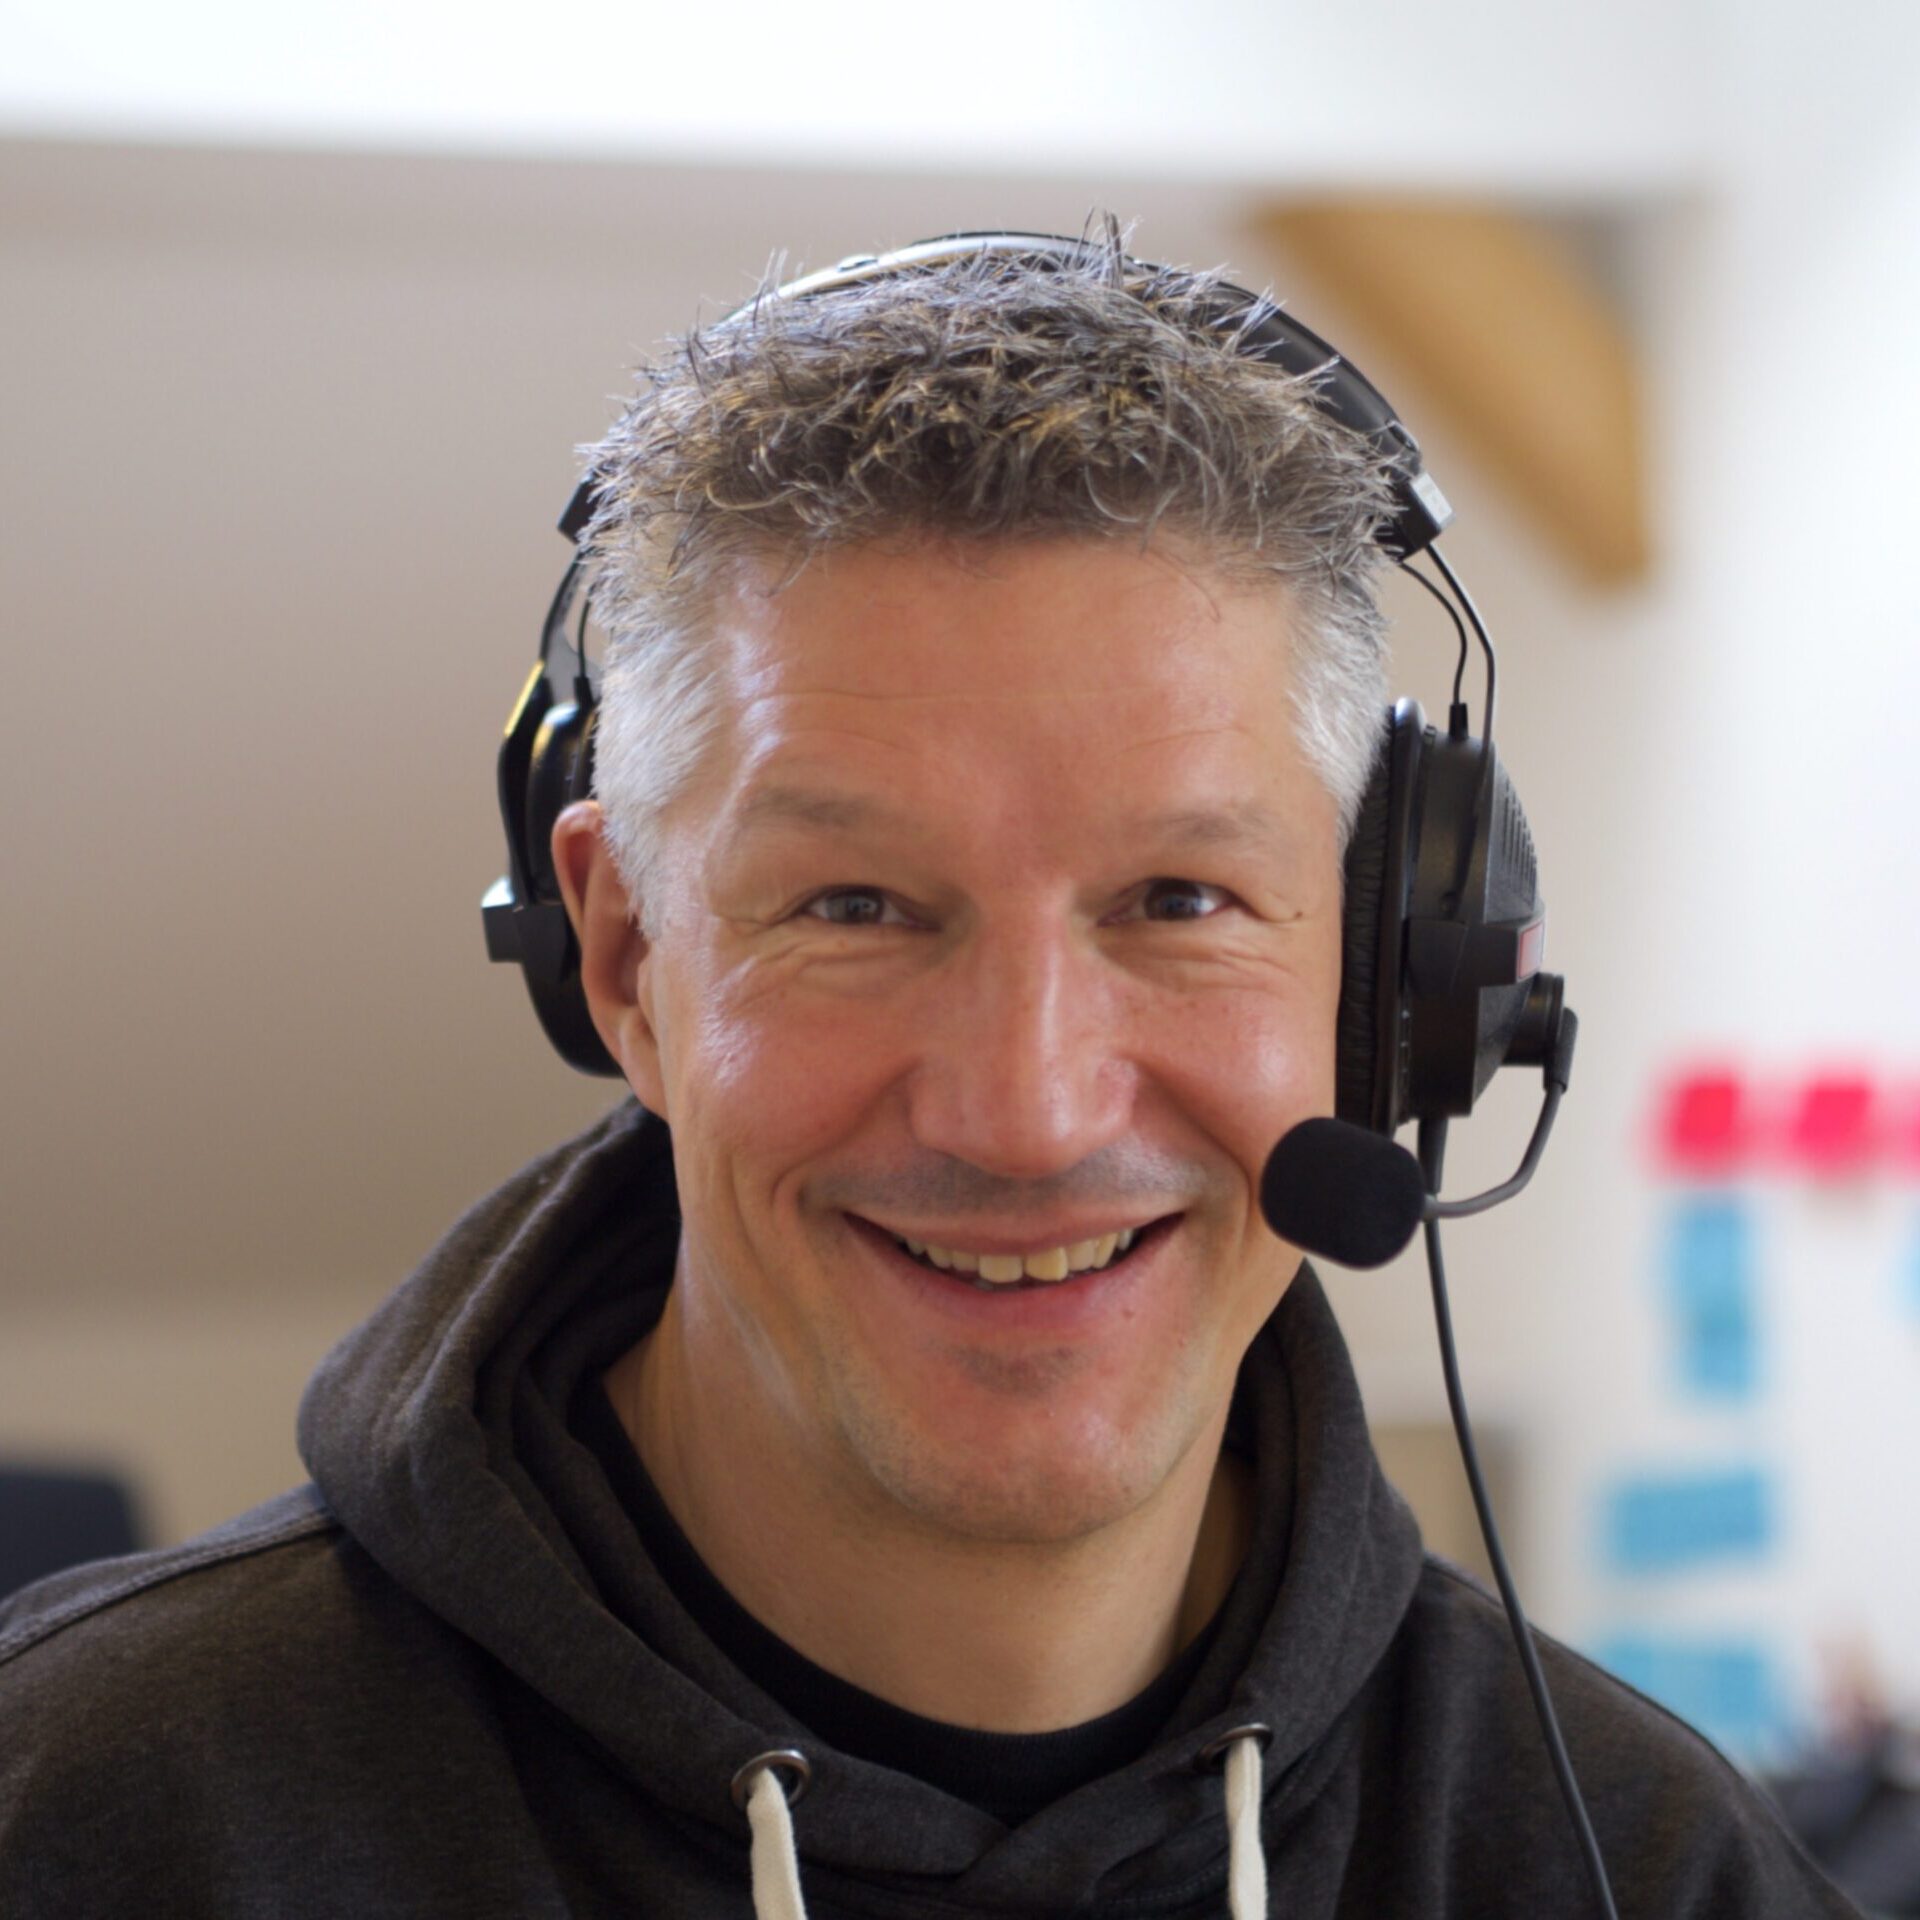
(1022, 1068)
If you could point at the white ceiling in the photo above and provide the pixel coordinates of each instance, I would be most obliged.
(1505, 95)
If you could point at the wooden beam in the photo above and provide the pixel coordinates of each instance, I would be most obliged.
(1514, 349)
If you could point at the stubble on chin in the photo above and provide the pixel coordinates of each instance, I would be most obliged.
(1062, 1486)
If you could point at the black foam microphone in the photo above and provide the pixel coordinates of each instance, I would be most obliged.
(1355, 1196)
(1343, 1192)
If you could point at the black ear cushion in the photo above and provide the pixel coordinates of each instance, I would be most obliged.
(1357, 1029)
(554, 780)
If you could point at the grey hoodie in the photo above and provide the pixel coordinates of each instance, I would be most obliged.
(445, 1679)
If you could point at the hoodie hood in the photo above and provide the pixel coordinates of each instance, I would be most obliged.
(437, 1433)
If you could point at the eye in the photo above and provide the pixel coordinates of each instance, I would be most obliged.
(1177, 900)
(854, 907)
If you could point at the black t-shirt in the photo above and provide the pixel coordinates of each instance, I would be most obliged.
(1009, 1775)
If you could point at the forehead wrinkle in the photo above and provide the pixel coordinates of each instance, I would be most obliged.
(1187, 733)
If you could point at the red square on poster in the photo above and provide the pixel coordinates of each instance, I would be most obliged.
(1705, 1125)
(1833, 1128)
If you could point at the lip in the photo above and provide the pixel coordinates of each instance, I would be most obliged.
(1080, 1305)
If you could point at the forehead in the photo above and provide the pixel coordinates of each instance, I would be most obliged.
(1038, 681)
(969, 623)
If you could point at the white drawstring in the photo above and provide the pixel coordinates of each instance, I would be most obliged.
(775, 1864)
(1246, 1863)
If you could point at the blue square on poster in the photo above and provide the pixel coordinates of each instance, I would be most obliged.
(1657, 1523)
(1728, 1688)
(1710, 1296)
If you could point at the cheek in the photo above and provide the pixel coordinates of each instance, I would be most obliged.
(1248, 1063)
(769, 1073)
(1258, 1050)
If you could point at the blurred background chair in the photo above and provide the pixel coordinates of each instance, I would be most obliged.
(51, 1518)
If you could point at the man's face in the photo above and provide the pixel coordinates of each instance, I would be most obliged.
(1003, 917)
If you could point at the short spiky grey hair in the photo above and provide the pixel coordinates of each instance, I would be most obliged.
(987, 397)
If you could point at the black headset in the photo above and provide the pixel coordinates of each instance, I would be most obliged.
(1441, 982)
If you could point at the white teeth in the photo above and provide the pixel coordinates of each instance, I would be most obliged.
(1002, 1269)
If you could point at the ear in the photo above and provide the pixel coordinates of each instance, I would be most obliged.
(615, 955)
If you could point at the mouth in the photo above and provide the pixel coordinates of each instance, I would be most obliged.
(1040, 1270)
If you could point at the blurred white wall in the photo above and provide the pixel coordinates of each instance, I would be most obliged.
(287, 430)
(1500, 93)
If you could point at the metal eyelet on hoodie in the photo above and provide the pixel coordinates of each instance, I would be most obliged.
(781, 1759)
(1246, 1862)
(774, 1861)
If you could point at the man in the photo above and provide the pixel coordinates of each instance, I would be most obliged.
(917, 1483)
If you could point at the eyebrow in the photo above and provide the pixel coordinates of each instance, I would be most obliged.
(1245, 823)
(818, 807)
(1238, 823)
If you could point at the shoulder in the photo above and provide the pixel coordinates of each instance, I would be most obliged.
(108, 1666)
(1460, 1656)
(145, 1701)
(56, 1612)
(218, 1628)
(206, 1624)
(1681, 1828)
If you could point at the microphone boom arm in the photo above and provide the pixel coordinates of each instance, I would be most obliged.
(1557, 1072)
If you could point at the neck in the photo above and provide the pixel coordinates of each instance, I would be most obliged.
(1010, 1637)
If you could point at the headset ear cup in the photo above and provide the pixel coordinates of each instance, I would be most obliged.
(557, 776)
(1357, 1030)
(1371, 1033)
(559, 772)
